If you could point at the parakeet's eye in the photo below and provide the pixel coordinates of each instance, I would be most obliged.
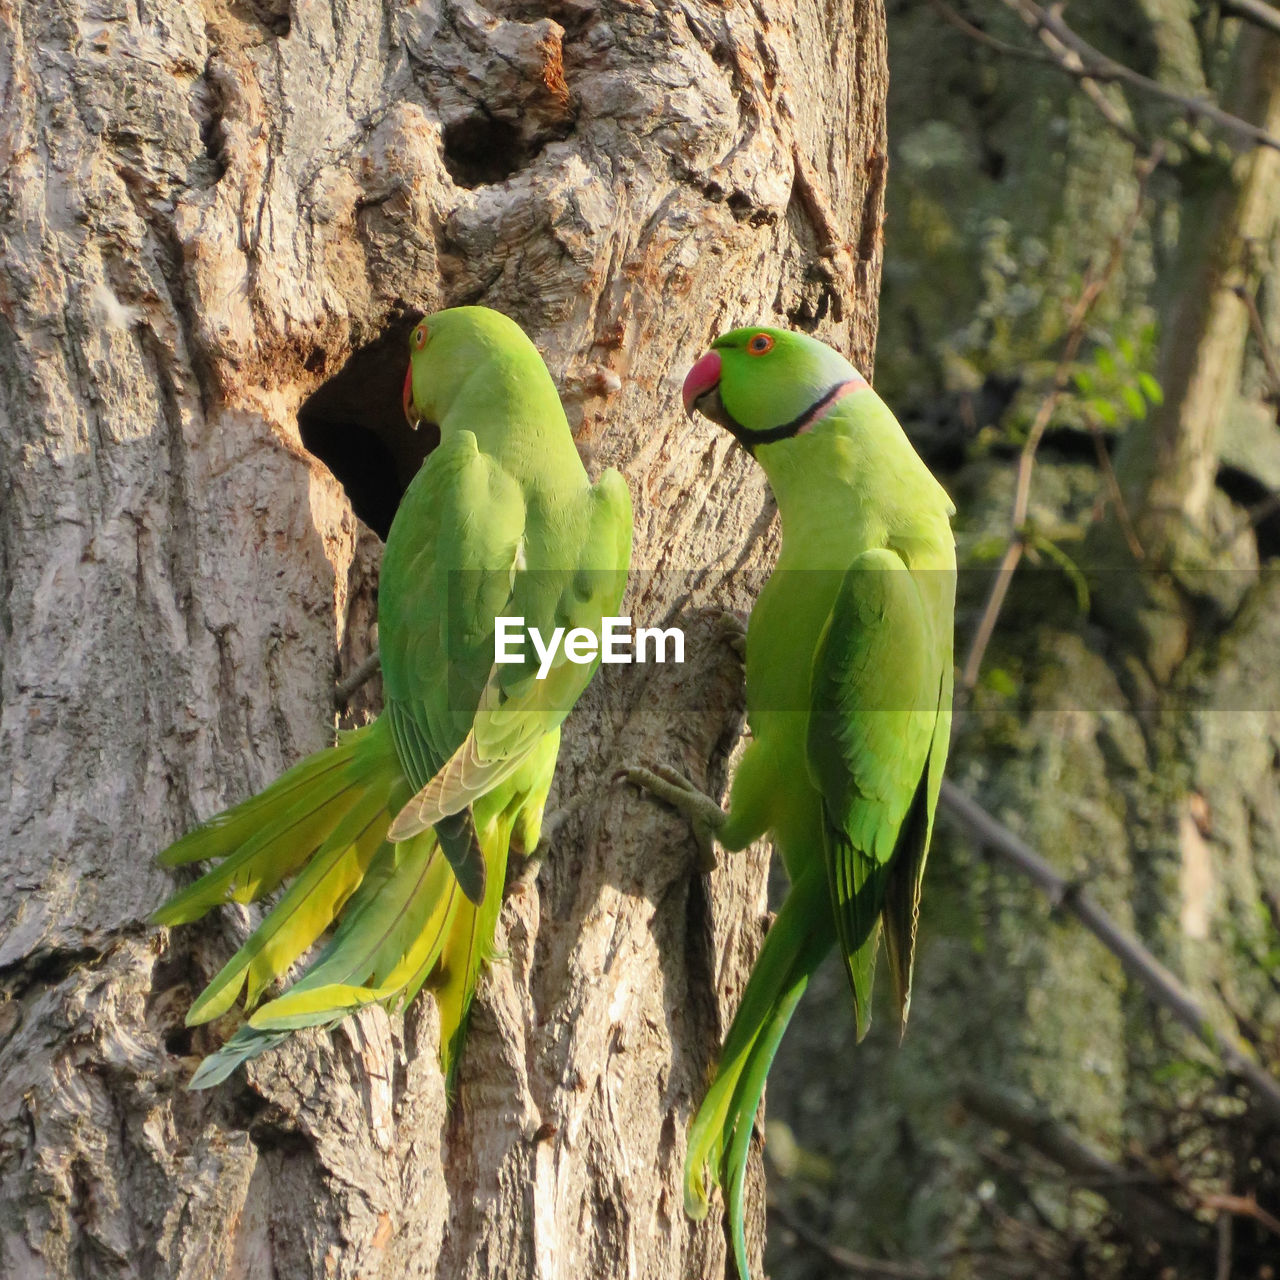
(420, 337)
(760, 344)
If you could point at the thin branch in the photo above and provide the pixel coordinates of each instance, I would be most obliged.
(1113, 491)
(995, 602)
(1267, 351)
(1225, 1232)
(365, 672)
(1089, 295)
(1138, 962)
(1091, 89)
(1111, 113)
(1241, 1207)
(975, 33)
(1142, 1204)
(856, 1264)
(1078, 58)
(1255, 11)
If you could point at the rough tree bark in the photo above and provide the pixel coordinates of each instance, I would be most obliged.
(219, 222)
(1167, 464)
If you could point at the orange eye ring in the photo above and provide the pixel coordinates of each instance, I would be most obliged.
(419, 338)
(760, 344)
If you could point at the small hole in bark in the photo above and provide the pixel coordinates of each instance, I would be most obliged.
(178, 1042)
(273, 15)
(211, 137)
(481, 150)
(355, 425)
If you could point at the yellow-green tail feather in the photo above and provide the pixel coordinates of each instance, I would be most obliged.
(405, 922)
(720, 1135)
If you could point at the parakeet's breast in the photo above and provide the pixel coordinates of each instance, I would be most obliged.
(783, 633)
(781, 638)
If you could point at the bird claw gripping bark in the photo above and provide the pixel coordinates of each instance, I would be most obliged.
(705, 816)
(732, 630)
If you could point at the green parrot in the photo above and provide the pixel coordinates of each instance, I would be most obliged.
(849, 685)
(404, 826)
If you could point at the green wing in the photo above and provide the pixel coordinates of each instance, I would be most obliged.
(876, 745)
(516, 709)
(447, 573)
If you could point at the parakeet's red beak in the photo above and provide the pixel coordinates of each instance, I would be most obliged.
(703, 377)
(408, 398)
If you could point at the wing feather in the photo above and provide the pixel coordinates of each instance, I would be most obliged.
(515, 709)
(873, 740)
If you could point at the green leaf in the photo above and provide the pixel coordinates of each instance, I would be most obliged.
(1104, 411)
(1084, 381)
(1105, 361)
(1133, 401)
(986, 549)
(1179, 1072)
(1150, 388)
(998, 680)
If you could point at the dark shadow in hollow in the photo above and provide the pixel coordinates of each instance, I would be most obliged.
(1260, 501)
(482, 150)
(355, 425)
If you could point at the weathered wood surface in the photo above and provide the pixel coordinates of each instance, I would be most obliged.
(205, 213)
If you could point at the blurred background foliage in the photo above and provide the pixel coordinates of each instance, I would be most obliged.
(1079, 280)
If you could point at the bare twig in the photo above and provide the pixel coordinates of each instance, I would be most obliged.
(1113, 491)
(1078, 58)
(975, 33)
(1241, 1207)
(1089, 295)
(856, 1264)
(995, 602)
(1138, 962)
(1225, 1232)
(1267, 351)
(1111, 113)
(1143, 1206)
(1090, 88)
(1255, 11)
(365, 672)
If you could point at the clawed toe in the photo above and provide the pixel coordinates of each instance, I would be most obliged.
(733, 631)
(675, 778)
(704, 814)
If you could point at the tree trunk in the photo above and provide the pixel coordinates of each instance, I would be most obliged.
(1167, 464)
(218, 226)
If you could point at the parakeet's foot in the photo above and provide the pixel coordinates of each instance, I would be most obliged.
(733, 631)
(705, 816)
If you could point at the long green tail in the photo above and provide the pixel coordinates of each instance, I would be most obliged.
(405, 919)
(720, 1134)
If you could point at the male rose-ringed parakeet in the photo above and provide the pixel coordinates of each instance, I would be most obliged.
(404, 826)
(848, 681)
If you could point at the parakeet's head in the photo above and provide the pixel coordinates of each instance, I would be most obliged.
(766, 385)
(446, 349)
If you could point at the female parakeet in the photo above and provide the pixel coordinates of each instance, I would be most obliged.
(849, 685)
(404, 826)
